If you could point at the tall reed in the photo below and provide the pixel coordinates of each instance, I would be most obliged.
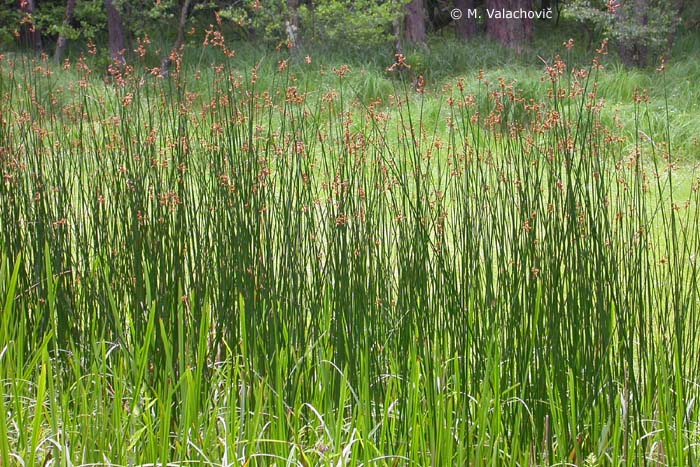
(236, 267)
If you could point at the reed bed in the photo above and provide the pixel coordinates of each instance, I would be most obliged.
(235, 267)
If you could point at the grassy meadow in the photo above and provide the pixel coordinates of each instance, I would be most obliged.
(274, 258)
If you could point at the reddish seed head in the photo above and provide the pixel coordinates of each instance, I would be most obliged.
(399, 63)
(420, 85)
(603, 50)
(661, 68)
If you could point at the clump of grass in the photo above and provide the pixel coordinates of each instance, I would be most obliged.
(237, 266)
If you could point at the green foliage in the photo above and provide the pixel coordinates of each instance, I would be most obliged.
(267, 18)
(88, 22)
(640, 28)
(356, 24)
(148, 18)
(49, 18)
(335, 23)
(9, 23)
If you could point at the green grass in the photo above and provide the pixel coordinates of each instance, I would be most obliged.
(218, 269)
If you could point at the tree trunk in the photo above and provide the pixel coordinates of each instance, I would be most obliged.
(293, 23)
(398, 45)
(115, 31)
(179, 40)
(511, 32)
(29, 34)
(415, 22)
(62, 41)
(466, 25)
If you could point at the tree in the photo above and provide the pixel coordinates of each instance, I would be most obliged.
(415, 22)
(511, 32)
(293, 22)
(115, 32)
(179, 40)
(29, 34)
(466, 25)
(62, 40)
